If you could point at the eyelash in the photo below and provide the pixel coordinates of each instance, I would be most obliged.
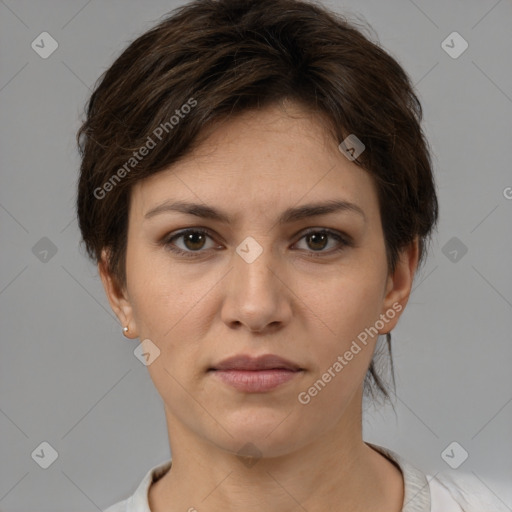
(345, 241)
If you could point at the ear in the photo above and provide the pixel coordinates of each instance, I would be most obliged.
(117, 296)
(399, 285)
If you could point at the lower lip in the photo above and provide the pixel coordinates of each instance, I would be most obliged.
(255, 381)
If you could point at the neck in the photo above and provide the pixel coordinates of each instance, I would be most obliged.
(337, 468)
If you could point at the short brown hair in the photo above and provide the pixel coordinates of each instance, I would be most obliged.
(223, 57)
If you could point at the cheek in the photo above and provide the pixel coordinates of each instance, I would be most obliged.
(344, 307)
(172, 306)
(343, 347)
(162, 295)
(345, 304)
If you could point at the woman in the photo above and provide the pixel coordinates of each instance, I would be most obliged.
(258, 194)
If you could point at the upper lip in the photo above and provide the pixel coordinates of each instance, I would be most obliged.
(266, 362)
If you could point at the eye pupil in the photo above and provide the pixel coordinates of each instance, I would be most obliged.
(316, 237)
(194, 241)
(192, 238)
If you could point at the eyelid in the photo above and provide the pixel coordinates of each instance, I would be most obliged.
(341, 237)
(332, 232)
(166, 241)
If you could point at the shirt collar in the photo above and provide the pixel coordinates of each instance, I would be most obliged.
(416, 487)
(139, 500)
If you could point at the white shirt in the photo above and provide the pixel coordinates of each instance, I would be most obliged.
(447, 492)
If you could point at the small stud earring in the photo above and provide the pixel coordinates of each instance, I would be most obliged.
(125, 330)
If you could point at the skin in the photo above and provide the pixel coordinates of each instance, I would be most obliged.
(307, 309)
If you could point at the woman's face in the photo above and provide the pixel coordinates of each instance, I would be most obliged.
(256, 283)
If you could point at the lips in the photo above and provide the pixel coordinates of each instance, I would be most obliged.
(267, 362)
(255, 375)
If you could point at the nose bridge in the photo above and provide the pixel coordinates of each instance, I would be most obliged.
(255, 263)
(254, 296)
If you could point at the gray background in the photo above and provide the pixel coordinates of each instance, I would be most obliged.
(67, 375)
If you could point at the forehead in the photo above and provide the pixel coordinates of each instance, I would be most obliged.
(268, 159)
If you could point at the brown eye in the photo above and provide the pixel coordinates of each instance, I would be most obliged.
(191, 242)
(194, 240)
(317, 241)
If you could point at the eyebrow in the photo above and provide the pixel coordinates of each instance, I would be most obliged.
(288, 216)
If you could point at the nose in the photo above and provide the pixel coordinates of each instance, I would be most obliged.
(256, 296)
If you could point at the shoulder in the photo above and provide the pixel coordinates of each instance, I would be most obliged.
(462, 490)
(445, 491)
(138, 501)
(121, 506)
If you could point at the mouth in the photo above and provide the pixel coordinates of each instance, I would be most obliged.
(255, 375)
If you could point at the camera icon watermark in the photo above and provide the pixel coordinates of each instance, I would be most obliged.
(249, 455)
(147, 352)
(454, 455)
(454, 249)
(45, 455)
(44, 45)
(249, 249)
(454, 45)
(352, 147)
(44, 250)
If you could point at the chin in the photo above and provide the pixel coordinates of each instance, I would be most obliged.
(258, 447)
(262, 434)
